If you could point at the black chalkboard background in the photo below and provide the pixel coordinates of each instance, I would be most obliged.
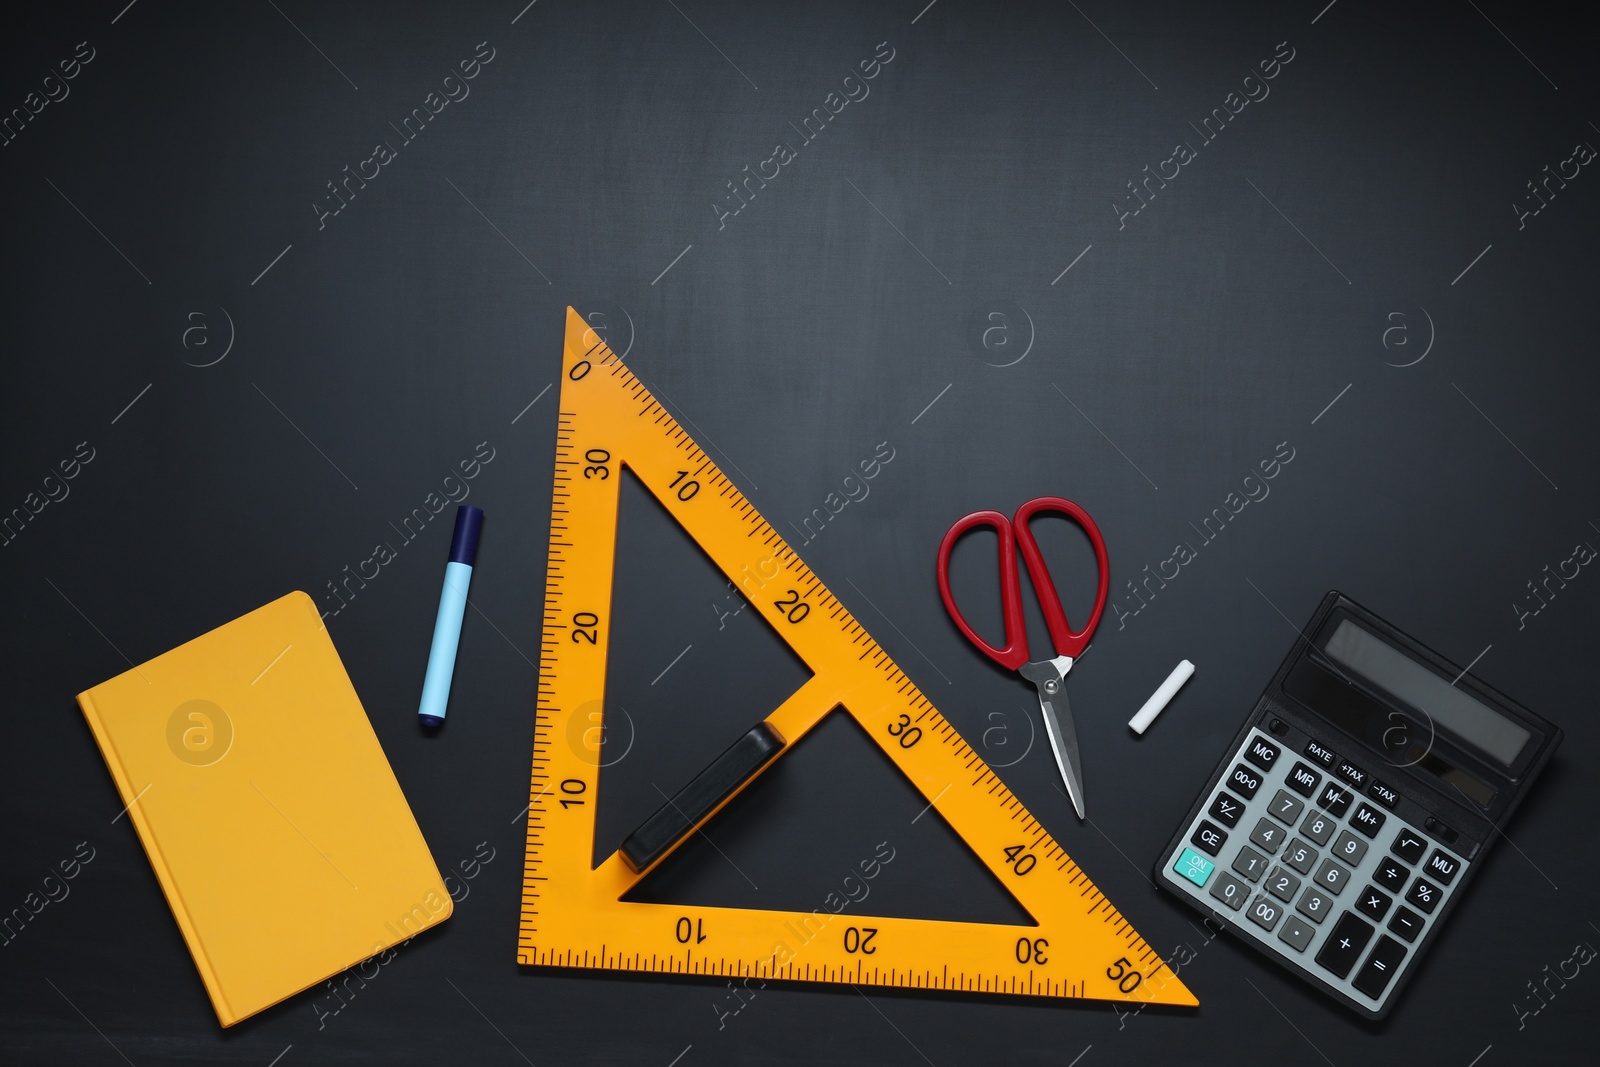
(249, 388)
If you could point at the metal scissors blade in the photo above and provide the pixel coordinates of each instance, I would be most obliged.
(1049, 677)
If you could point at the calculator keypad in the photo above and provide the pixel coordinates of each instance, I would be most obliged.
(1226, 809)
(1280, 840)
(1318, 827)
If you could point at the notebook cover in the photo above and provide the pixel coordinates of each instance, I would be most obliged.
(263, 799)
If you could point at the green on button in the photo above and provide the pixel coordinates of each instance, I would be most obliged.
(1194, 867)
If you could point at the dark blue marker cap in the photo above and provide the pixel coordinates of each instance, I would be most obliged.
(464, 544)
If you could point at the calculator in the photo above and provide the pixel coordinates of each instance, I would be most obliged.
(1354, 806)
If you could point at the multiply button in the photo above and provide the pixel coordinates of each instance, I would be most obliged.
(1381, 966)
(1367, 819)
(1442, 866)
(1373, 903)
(1409, 845)
(1322, 754)
(1334, 799)
(1244, 780)
(1303, 780)
(1353, 774)
(1345, 942)
(1226, 809)
(1209, 838)
(1262, 753)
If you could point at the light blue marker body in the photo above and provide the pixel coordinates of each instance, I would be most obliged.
(452, 609)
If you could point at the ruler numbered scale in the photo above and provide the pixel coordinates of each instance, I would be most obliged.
(573, 914)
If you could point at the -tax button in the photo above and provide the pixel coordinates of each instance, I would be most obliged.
(1383, 794)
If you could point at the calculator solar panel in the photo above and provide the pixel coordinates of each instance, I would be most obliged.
(1353, 807)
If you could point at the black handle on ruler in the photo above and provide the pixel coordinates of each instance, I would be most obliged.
(700, 797)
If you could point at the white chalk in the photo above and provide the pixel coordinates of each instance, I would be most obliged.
(1158, 700)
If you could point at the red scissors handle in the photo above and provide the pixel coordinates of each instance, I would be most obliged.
(1014, 533)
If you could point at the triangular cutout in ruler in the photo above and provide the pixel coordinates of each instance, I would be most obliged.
(573, 914)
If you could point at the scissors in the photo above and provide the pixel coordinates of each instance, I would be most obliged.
(1047, 675)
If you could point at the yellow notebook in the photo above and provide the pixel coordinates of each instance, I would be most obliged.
(266, 806)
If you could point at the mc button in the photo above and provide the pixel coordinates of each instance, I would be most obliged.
(1262, 753)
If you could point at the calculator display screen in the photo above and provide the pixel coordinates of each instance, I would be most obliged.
(1400, 676)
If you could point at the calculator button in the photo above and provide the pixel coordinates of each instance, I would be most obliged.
(1332, 877)
(1226, 809)
(1322, 754)
(1353, 774)
(1282, 884)
(1268, 835)
(1350, 848)
(1303, 780)
(1318, 827)
(1345, 942)
(1297, 933)
(1194, 867)
(1208, 838)
(1391, 874)
(1286, 808)
(1334, 799)
(1442, 867)
(1300, 856)
(1409, 845)
(1230, 890)
(1423, 895)
(1385, 960)
(1265, 912)
(1245, 781)
(1373, 904)
(1383, 794)
(1367, 819)
(1250, 863)
(1262, 753)
(1314, 906)
(1406, 923)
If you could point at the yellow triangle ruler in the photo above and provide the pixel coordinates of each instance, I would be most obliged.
(573, 914)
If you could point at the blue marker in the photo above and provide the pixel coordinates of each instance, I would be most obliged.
(452, 606)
